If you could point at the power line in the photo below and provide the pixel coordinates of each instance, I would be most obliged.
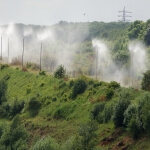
(124, 15)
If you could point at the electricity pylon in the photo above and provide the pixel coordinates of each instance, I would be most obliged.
(124, 15)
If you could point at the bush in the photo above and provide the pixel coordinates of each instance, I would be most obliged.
(87, 131)
(60, 72)
(144, 113)
(46, 143)
(121, 106)
(63, 111)
(146, 81)
(114, 85)
(15, 136)
(79, 87)
(108, 112)
(33, 106)
(97, 112)
(109, 94)
(16, 107)
(3, 89)
(131, 121)
(73, 143)
(4, 66)
(71, 83)
(42, 73)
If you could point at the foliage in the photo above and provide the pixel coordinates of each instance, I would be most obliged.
(120, 51)
(121, 106)
(60, 72)
(15, 136)
(109, 93)
(3, 89)
(73, 143)
(96, 112)
(131, 120)
(87, 131)
(3, 66)
(16, 107)
(33, 106)
(63, 111)
(42, 73)
(114, 85)
(79, 87)
(137, 30)
(45, 143)
(146, 81)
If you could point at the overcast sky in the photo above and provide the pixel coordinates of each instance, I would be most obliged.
(48, 12)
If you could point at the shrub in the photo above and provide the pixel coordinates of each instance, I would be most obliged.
(42, 73)
(16, 107)
(3, 66)
(45, 143)
(33, 106)
(15, 136)
(79, 87)
(121, 106)
(87, 131)
(114, 85)
(144, 113)
(64, 111)
(131, 121)
(60, 72)
(3, 88)
(71, 83)
(109, 93)
(108, 112)
(73, 143)
(146, 81)
(97, 112)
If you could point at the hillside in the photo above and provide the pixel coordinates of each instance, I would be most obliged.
(47, 106)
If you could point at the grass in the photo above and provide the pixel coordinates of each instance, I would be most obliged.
(60, 115)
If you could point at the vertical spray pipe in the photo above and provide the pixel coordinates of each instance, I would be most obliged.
(96, 62)
(8, 52)
(1, 49)
(132, 67)
(23, 52)
(40, 56)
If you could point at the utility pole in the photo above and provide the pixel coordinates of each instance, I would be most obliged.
(124, 15)
(23, 52)
(41, 57)
(1, 48)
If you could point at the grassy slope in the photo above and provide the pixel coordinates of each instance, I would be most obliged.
(55, 94)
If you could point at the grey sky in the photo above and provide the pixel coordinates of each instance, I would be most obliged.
(47, 12)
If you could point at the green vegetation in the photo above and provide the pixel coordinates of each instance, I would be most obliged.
(48, 108)
(39, 111)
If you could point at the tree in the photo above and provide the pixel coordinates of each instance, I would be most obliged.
(60, 72)
(137, 30)
(147, 38)
(146, 81)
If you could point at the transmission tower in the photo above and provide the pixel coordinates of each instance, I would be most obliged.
(124, 15)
